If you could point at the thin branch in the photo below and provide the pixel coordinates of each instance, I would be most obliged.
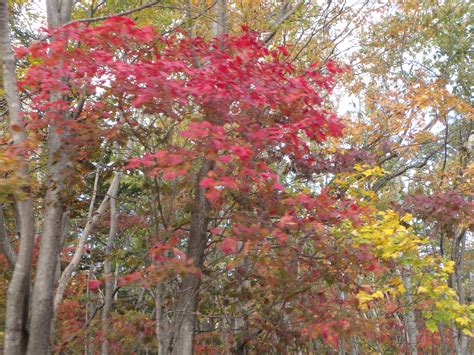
(91, 222)
(124, 13)
(284, 15)
(384, 180)
(190, 19)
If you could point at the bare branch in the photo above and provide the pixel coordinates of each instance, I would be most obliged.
(285, 14)
(124, 13)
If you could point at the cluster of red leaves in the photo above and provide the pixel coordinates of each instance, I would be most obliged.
(252, 98)
(338, 162)
(71, 315)
(246, 100)
(444, 209)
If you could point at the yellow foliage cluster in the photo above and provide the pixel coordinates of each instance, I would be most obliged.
(387, 236)
(395, 243)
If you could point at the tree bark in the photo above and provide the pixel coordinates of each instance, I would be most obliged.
(458, 246)
(182, 339)
(65, 229)
(109, 280)
(16, 335)
(43, 291)
(58, 12)
(219, 25)
(410, 318)
(160, 332)
(42, 311)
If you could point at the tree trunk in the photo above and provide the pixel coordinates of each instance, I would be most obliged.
(16, 335)
(182, 338)
(43, 291)
(241, 331)
(160, 332)
(354, 346)
(458, 247)
(58, 12)
(42, 311)
(410, 319)
(109, 280)
(65, 229)
(219, 25)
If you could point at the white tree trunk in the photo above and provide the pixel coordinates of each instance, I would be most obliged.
(16, 335)
(109, 280)
(410, 318)
(42, 311)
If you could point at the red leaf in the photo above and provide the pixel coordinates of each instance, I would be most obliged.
(225, 158)
(140, 100)
(229, 246)
(286, 220)
(207, 182)
(213, 195)
(333, 68)
(278, 186)
(242, 152)
(283, 50)
(16, 128)
(94, 284)
(21, 51)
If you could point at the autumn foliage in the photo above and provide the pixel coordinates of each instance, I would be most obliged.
(222, 144)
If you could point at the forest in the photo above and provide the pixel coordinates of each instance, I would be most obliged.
(236, 177)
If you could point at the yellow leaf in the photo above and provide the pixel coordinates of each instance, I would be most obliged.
(377, 294)
(468, 333)
(407, 217)
(363, 297)
(422, 289)
(449, 266)
(462, 321)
